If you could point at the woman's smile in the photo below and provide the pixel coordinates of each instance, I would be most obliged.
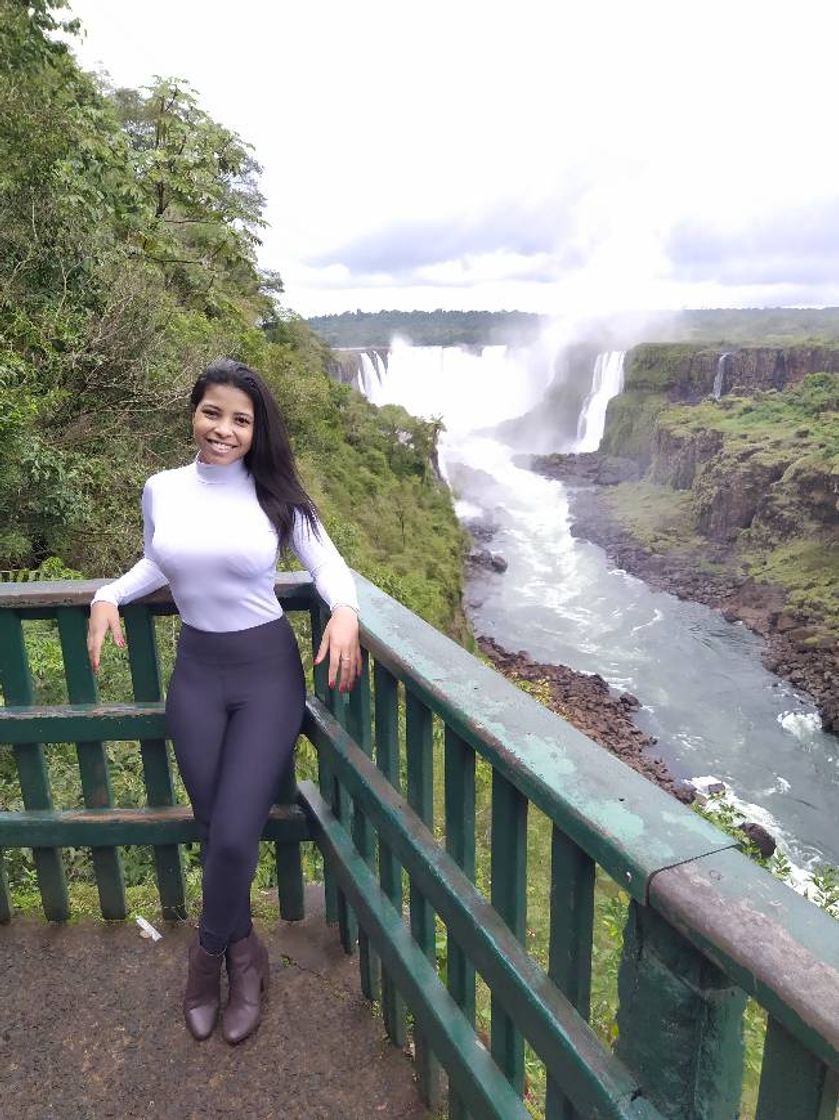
(219, 447)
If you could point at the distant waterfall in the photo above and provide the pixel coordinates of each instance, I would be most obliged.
(606, 382)
(469, 388)
(371, 373)
(722, 370)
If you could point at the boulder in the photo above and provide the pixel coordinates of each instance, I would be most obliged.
(483, 558)
(762, 840)
(481, 528)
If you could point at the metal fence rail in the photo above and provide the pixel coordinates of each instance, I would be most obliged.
(31, 730)
(706, 926)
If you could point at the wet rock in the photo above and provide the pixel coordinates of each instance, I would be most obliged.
(481, 528)
(483, 558)
(785, 622)
(585, 468)
(586, 701)
(684, 790)
(762, 840)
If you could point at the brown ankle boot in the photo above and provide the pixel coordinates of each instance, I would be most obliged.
(248, 973)
(201, 998)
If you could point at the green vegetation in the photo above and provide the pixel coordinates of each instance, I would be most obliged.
(630, 423)
(801, 419)
(809, 570)
(762, 326)
(129, 222)
(660, 518)
(659, 367)
(684, 331)
(768, 491)
(426, 328)
(128, 227)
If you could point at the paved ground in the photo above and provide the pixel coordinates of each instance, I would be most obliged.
(91, 1028)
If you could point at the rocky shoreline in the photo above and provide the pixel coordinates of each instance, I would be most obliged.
(790, 651)
(587, 702)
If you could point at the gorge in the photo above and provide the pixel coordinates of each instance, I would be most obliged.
(706, 698)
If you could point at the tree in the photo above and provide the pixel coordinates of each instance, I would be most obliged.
(200, 183)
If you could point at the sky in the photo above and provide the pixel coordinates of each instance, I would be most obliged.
(564, 158)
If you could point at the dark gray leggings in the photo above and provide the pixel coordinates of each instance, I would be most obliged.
(234, 710)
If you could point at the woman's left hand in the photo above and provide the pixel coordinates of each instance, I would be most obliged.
(340, 641)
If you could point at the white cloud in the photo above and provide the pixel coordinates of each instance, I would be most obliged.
(540, 154)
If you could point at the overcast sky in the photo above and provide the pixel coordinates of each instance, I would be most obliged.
(547, 156)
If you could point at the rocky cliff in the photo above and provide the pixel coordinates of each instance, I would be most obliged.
(660, 375)
(688, 373)
(768, 463)
(738, 506)
(347, 367)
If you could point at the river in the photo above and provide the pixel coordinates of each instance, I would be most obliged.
(705, 696)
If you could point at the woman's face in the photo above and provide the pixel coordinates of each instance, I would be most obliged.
(222, 425)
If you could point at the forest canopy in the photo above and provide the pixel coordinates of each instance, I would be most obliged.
(773, 326)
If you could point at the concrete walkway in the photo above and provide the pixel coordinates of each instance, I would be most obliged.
(91, 1027)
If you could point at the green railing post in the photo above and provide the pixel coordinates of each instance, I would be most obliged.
(680, 1021)
(390, 872)
(145, 679)
(419, 735)
(509, 898)
(343, 809)
(93, 762)
(794, 1085)
(337, 907)
(459, 795)
(31, 765)
(5, 898)
(287, 858)
(359, 726)
(317, 614)
(569, 957)
(287, 855)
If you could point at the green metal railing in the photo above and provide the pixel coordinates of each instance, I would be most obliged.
(705, 928)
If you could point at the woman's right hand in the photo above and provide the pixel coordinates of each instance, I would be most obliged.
(103, 617)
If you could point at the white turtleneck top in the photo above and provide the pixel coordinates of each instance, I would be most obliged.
(206, 535)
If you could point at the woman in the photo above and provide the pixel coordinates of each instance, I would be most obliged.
(234, 707)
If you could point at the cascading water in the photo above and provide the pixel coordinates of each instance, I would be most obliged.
(369, 374)
(719, 379)
(468, 389)
(369, 369)
(607, 382)
(705, 695)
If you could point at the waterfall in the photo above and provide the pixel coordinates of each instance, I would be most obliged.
(475, 389)
(606, 382)
(719, 380)
(368, 371)
(468, 388)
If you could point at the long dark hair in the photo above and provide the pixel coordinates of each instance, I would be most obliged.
(270, 459)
